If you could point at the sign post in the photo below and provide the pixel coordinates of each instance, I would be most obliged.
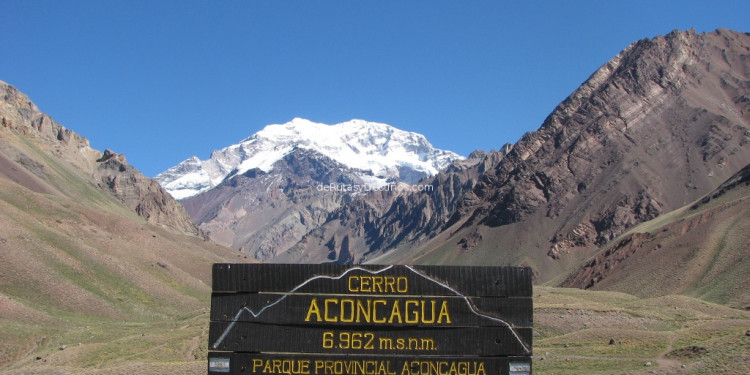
(330, 319)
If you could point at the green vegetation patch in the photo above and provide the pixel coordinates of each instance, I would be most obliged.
(577, 365)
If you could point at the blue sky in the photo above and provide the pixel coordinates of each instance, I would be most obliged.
(163, 80)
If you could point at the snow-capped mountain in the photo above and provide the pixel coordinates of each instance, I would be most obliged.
(378, 151)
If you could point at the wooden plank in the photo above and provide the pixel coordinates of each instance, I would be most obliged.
(470, 281)
(317, 364)
(368, 310)
(478, 341)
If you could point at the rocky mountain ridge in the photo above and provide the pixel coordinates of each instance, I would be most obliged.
(663, 122)
(26, 130)
(653, 129)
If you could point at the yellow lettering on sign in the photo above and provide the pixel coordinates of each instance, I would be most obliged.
(363, 313)
(412, 316)
(313, 309)
(432, 315)
(326, 302)
(347, 304)
(375, 304)
(353, 367)
(402, 284)
(257, 362)
(350, 310)
(390, 283)
(378, 284)
(443, 368)
(444, 313)
(395, 313)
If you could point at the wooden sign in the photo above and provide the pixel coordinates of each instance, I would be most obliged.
(343, 319)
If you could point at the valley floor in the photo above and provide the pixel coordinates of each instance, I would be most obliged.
(576, 332)
(171, 345)
(586, 332)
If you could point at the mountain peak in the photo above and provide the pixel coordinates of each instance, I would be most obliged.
(375, 149)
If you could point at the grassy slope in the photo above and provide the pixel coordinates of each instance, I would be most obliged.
(79, 269)
(122, 288)
(575, 327)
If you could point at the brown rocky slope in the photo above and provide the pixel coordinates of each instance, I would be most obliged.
(373, 224)
(661, 124)
(26, 131)
(699, 250)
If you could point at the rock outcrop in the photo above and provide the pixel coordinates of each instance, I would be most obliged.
(39, 153)
(142, 195)
(700, 249)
